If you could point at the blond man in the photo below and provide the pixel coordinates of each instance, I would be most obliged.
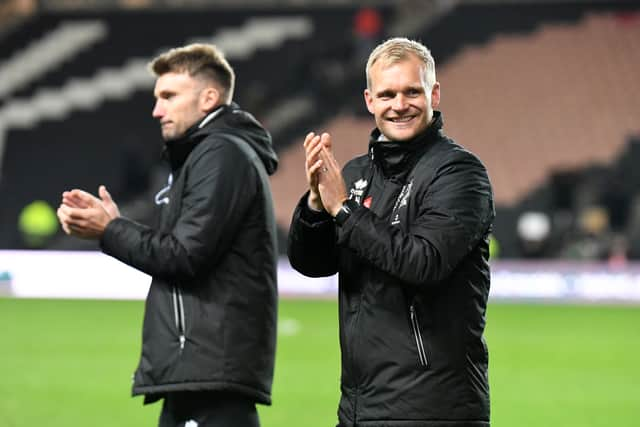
(406, 227)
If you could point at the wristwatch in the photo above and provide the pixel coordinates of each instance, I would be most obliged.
(345, 211)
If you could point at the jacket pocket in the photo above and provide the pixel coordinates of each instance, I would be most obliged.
(417, 335)
(178, 312)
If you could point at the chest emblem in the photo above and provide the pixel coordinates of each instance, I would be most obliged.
(401, 202)
(162, 198)
(358, 190)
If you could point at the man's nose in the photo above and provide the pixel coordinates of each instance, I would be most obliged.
(400, 102)
(158, 111)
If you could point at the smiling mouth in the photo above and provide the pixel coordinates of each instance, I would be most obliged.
(404, 119)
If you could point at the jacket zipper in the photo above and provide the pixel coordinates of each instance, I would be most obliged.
(353, 356)
(178, 311)
(415, 326)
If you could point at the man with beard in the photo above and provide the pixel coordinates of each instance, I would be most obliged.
(210, 318)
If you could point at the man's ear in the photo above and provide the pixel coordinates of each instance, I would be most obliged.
(435, 95)
(368, 99)
(209, 98)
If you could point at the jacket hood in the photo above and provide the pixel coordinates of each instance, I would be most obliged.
(230, 120)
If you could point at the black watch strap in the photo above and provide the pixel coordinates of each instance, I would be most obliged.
(345, 211)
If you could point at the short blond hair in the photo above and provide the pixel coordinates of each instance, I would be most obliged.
(398, 49)
(201, 61)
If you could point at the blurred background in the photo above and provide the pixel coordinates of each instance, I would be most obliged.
(546, 93)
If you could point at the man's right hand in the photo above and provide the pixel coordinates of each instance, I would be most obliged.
(313, 145)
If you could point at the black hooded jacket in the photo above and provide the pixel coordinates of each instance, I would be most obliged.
(413, 282)
(210, 315)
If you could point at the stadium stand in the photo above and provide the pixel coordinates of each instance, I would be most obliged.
(524, 100)
(556, 94)
(545, 92)
(81, 114)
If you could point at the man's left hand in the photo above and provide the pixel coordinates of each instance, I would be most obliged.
(84, 215)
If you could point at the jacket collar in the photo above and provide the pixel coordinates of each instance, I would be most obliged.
(176, 151)
(397, 158)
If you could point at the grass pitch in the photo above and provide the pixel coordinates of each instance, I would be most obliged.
(69, 363)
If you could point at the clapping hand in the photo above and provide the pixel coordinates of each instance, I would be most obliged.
(83, 215)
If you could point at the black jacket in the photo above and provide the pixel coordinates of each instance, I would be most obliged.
(413, 279)
(210, 316)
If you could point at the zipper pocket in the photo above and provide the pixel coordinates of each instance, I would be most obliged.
(178, 311)
(415, 327)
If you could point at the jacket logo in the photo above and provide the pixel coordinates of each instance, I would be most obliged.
(401, 202)
(161, 197)
(358, 190)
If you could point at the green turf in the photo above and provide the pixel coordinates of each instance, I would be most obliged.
(69, 363)
(564, 365)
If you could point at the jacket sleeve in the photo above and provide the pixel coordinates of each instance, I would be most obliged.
(311, 246)
(218, 191)
(454, 213)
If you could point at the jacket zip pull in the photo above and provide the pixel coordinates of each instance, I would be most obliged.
(415, 325)
(178, 311)
(182, 322)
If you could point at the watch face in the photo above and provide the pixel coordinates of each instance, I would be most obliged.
(351, 205)
(345, 211)
(343, 214)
